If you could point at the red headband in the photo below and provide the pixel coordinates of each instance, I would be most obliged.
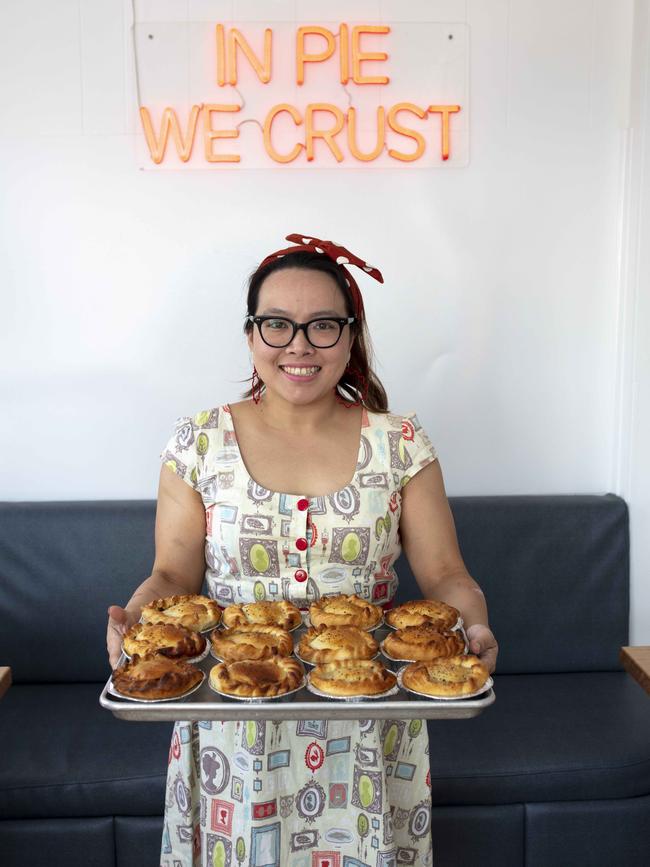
(337, 254)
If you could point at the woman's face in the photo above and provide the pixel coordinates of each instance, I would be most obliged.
(300, 373)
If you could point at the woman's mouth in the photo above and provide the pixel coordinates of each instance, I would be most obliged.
(296, 373)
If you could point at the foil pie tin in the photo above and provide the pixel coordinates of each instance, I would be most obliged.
(112, 691)
(489, 683)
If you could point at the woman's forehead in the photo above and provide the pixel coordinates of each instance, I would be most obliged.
(301, 288)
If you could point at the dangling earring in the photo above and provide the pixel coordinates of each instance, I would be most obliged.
(360, 386)
(256, 386)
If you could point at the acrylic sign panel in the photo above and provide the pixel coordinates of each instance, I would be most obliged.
(416, 116)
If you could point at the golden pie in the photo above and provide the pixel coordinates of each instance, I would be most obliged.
(455, 676)
(169, 640)
(352, 677)
(342, 610)
(194, 612)
(155, 677)
(280, 613)
(257, 678)
(422, 643)
(336, 642)
(422, 611)
(251, 641)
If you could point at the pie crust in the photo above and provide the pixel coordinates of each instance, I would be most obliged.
(454, 676)
(280, 613)
(257, 678)
(194, 612)
(169, 640)
(342, 610)
(423, 643)
(330, 643)
(352, 677)
(251, 641)
(421, 611)
(155, 677)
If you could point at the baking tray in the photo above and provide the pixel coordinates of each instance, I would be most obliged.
(205, 704)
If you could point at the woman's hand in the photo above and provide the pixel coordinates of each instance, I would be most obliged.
(119, 621)
(483, 644)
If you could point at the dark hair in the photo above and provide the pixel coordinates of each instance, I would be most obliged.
(351, 384)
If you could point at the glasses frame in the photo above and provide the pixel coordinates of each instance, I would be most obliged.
(301, 326)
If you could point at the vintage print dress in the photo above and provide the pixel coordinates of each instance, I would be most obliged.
(315, 793)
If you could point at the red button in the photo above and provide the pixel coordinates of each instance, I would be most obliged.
(301, 544)
(303, 504)
(300, 575)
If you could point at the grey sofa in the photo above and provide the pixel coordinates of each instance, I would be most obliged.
(556, 772)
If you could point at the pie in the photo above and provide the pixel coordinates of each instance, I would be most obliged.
(454, 676)
(257, 678)
(155, 677)
(336, 642)
(280, 613)
(422, 611)
(169, 640)
(251, 641)
(352, 677)
(194, 612)
(342, 610)
(422, 643)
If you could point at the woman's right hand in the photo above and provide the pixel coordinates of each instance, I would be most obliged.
(119, 621)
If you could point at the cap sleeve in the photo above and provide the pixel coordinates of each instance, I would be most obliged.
(417, 446)
(180, 453)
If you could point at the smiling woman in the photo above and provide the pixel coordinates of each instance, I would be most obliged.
(306, 488)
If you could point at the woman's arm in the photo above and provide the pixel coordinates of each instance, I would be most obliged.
(179, 565)
(430, 544)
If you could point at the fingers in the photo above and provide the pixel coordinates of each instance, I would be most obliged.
(118, 623)
(484, 645)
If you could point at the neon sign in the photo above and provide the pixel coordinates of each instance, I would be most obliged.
(299, 129)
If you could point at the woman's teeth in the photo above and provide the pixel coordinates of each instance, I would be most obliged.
(300, 371)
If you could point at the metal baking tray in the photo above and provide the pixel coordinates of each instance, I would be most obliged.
(205, 704)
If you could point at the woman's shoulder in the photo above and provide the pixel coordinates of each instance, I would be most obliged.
(392, 420)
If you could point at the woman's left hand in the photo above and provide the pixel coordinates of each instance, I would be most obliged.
(483, 643)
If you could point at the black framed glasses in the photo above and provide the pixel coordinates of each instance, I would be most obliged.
(322, 333)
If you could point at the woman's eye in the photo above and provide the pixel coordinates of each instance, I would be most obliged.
(276, 324)
(326, 325)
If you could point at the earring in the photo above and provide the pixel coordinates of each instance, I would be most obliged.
(359, 384)
(256, 386)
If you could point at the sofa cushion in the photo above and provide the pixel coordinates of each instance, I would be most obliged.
(548, 737)
(61, 566)
(64, 755)
(57, 842)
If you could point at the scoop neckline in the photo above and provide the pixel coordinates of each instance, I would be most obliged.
(228, 412)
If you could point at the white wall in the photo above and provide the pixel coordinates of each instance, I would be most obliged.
(502, 317)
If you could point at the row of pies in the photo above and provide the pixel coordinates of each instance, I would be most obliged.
(256, 649)
(200, 613)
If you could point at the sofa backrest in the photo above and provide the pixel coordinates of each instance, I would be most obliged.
(554, 570)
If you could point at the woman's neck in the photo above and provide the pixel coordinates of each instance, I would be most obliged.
(281, 415)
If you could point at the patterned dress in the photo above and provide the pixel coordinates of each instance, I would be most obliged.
(314, 793)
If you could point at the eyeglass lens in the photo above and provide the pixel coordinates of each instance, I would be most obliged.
(321, 333)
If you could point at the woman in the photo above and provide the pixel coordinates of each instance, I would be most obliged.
(307, 488)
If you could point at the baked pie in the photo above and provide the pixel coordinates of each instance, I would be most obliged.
(194, 612)
(342, 610)
(349, 677)
(155, 677)
(251, 641)
(455, 676)
(336, 642)
(257, 678)
(422, 611)
(169, 640)
(280, 613)
(420, 643)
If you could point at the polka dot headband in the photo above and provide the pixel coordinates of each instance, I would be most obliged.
(337, 254)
